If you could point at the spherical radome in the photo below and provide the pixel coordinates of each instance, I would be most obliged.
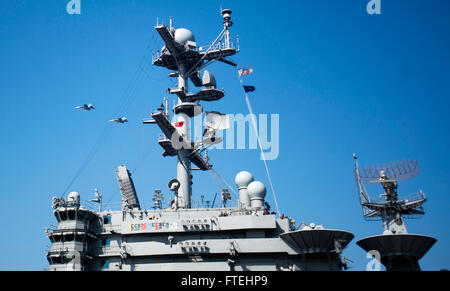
(182, 35)
(243, 178)
(73, 196)
(256, 189)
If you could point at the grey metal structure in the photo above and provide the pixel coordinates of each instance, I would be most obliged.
(399, 250)
(182, 237)
(129, 195)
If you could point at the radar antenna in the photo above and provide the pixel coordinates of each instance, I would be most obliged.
(398, 250)
(398, 170)
(388, 207)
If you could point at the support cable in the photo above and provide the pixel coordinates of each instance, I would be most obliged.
(259, 140)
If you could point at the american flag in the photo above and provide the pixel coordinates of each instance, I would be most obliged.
(245, 72)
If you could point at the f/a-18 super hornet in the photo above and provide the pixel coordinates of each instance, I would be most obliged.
(119, 120)
(87, 107)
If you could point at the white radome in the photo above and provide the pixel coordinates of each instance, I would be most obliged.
(182, 35)
(73, 196)
(243, 179)
(256, 190)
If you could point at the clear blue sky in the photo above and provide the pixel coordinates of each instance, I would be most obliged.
(342, 81)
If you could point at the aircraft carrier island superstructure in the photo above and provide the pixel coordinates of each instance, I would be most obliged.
(249, 236)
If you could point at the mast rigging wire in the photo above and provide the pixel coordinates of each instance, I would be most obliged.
(247, 100)
(219, 179)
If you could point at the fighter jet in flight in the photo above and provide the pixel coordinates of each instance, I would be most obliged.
(85, 107)
(120, 120)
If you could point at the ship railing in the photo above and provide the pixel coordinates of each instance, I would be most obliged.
(415, 202)
(108, 251)
(85, 229)
(149, 206)
(59, 247)
(202, 49)
(111, 206)
(217, 47)
(418, 196)
(117, 206)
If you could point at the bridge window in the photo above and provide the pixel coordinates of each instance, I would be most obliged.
(71, 214)
(80, 215)
(107, 219)
(79, 237)
(63, 215)
(69, 237)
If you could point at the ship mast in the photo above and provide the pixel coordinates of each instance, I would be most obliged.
(184, 164)
(181, 55)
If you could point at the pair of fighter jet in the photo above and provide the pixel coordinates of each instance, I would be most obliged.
(90, 107)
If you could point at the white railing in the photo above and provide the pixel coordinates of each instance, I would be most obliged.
(218, 46)
(203, 49)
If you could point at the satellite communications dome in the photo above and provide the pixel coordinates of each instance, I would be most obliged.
(256, 190)
(182, 35)
(243, 179)
(73, 197)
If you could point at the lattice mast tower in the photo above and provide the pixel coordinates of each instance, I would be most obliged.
(181, 55)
